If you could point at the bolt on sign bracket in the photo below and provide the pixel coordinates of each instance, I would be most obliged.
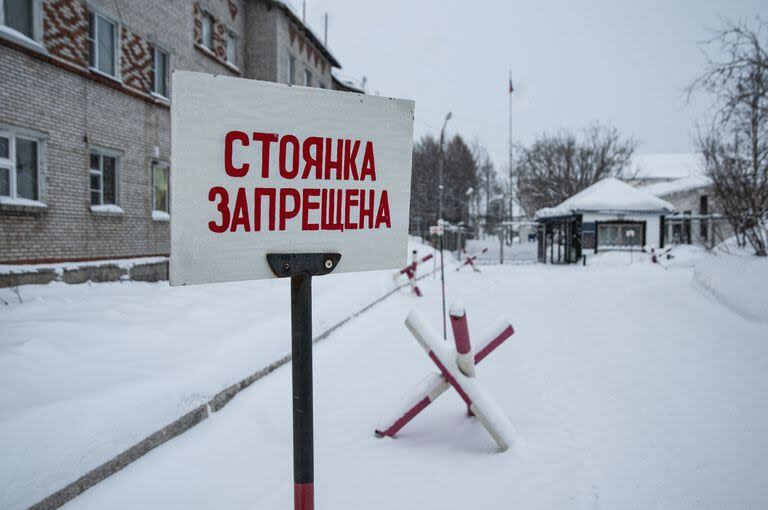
(294, 264)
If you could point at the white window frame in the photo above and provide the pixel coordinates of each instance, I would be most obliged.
(167, 167)
(31, 41)
(155, 50)
(100, 172)
(206, 15)
(98, 13)
(9, 164)
(232, 46)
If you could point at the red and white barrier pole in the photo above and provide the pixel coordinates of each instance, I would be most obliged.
(464, 356)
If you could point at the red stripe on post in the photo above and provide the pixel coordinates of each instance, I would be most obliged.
(451, 379)
(403, 420)
(495, 343)
(460, 333)
(304, 496)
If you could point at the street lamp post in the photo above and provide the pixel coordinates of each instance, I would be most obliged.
(440, 214)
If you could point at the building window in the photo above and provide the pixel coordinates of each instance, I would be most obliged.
(307, 78)
(160, 175)
(703, 204)
(704, 211)
(160, 72)
(321, 84)
(102, 44)
(207, 31)
(18, 15)
(103, 172)
(232, 48)
(291, 69)
(19, 166)
(619, 234)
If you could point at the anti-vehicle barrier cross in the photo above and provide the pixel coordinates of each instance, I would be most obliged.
(457, 369)
(470, 261)
(410, 271)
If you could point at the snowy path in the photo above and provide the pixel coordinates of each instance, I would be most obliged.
(630, 389)
(86, 371)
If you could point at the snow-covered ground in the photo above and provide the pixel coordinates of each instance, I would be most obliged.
(630, 388)
(740, 283)
(86, 371)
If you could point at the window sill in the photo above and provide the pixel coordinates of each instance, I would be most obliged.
(161, 216)
(212, 54)
(22, 205)
(105, 75)
(19, 38)
(205, 49)
(107, 210)
(160, 97)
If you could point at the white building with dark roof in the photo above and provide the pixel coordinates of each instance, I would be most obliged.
(609, 215)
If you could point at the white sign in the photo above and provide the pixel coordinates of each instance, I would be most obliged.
(436, 229)
(263, 168)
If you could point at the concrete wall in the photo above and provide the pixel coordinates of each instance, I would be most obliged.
(261, 59)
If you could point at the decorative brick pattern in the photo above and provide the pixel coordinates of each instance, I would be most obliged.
(232, 9)
(65, 29)
(136, 61)
(313, 56)
(198, 23)
(220, 40)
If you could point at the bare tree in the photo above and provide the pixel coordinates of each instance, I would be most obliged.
(557, 167)
(735, 147)
(459, 174)
(489, 189)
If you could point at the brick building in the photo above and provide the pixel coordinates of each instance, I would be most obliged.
(85, 118)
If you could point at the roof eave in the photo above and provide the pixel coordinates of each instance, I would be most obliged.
(292, 15)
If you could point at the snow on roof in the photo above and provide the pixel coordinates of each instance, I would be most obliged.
(662, 189)
(348, 82)
(667, 166)
(610, 194)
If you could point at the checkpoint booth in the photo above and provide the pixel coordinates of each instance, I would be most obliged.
(609, 215)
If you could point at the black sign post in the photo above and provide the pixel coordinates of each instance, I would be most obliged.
(301, 267)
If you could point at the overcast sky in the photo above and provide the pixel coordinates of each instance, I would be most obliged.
(573, 63)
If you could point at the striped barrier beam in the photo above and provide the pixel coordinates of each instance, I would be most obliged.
(435, 384)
